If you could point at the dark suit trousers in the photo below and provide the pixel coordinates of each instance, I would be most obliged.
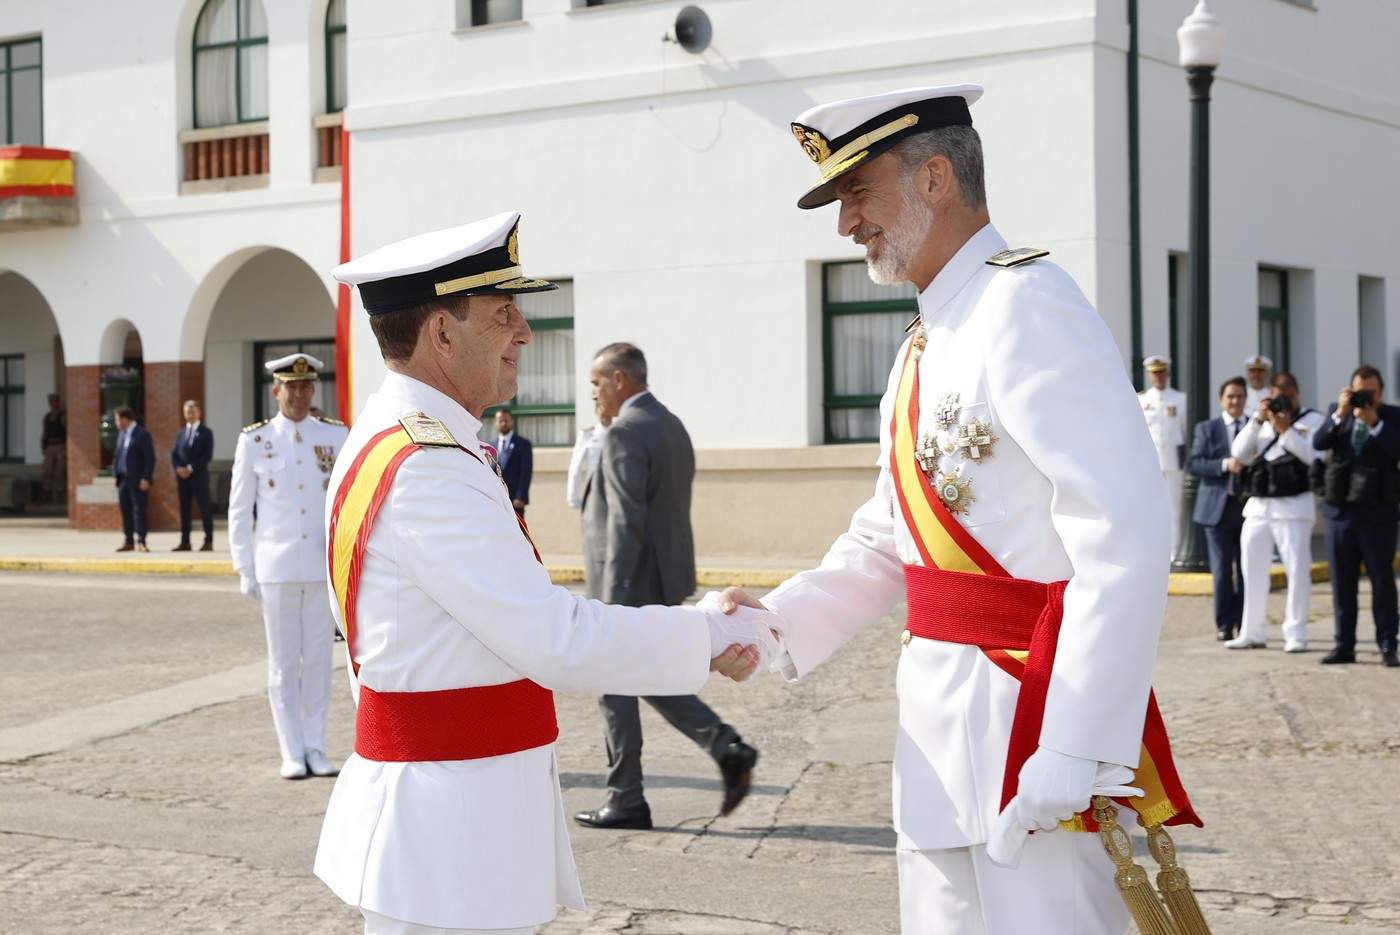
(1223, 550)
(623, 724)
(194, 489)
(133, 501)
(1358, 537)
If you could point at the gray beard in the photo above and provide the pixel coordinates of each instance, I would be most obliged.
(902, 242)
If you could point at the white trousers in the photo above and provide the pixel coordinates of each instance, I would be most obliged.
(300, 632)
(1294, 540)
(376, 924)
(1174, 482)
(1063, 886)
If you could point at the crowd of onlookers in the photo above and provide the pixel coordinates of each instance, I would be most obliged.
(1264, 465)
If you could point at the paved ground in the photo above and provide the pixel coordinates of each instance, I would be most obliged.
(138, 788)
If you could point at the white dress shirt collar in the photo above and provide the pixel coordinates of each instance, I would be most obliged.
(956, 273)
(421, 397)
(504, 439)
(630, 400)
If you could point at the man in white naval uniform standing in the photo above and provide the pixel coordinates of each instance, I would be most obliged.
(448, 818)
(1009, 411)
(282, 467)
(1164, 408)
(1258, 369)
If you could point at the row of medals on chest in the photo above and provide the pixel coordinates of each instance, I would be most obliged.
(325, 458)
(973, 440)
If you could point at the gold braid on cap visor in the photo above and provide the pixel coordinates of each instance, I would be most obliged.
(834, 164)
(481, 279)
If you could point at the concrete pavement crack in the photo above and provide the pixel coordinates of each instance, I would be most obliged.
(778, 812)
(231, 860)
(1347, 912)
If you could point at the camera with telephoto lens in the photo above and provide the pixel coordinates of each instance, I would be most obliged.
(1360, 399)
(1280, 405)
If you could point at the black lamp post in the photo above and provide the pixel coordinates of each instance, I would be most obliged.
(1201, 40)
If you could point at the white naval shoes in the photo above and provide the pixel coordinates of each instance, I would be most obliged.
(1295, 646)
(293, 769)
(319, 764)
(1244, 642)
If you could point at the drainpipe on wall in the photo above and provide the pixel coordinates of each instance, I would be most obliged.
(1134, 201)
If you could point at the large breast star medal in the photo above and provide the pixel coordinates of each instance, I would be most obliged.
(954, 491)
(975, 440)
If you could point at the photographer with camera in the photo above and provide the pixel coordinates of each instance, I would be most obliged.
(1276, 449)
(1360, 490)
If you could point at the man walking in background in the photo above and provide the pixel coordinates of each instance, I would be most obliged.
(54, 444)
(133, 464)
(638, 550)
(1219, 508)
(517, 459)
(190, 456)
(1361, 490)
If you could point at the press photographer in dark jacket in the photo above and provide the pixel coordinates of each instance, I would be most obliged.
(1360, 492)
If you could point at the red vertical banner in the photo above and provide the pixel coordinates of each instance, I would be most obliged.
(343, 371)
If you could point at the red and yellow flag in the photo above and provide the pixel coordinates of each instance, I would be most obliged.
(35, 172)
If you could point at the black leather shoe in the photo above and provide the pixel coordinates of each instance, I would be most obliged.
(208, 546)
(1339, 657)
(1223, 635)
(182, 547)
(736, 766)
(610, 816)
(1390, 659)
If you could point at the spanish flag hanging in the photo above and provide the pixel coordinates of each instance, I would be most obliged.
(36, 187)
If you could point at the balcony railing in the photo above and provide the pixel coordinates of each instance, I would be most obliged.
(225, 158)
(328, 155)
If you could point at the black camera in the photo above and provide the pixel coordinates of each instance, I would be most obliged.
(1279, 405)
(1360, 399)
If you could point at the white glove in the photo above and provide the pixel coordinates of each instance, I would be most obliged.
(248, 586)
(1051, 788)
(745, 626)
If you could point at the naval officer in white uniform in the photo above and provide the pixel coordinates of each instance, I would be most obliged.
(449, 818)
(282, 467)
(1029, 433)
(1164, 408)
(1258, 371)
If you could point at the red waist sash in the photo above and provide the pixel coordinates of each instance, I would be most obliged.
(455, 724)
(995, 614)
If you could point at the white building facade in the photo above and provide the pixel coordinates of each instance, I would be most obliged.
(660, 186)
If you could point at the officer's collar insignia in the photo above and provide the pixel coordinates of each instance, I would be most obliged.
(812, 142)
(425, 430)
(1016, 256)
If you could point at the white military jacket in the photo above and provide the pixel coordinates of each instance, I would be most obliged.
(451, 596)
(1070, 489)
(1256, 437)
(1165, 412)
(283, 467)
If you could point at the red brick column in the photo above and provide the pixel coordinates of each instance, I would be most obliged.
(84, 406)
(167, 386)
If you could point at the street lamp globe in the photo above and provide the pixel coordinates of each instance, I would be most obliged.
(1201, 38)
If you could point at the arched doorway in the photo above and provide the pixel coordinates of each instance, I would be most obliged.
(271, 305)
(31, 371)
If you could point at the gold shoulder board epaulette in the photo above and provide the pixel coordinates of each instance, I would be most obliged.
(425, 430)
(1016, 256)
(329, 421)
(255, 425)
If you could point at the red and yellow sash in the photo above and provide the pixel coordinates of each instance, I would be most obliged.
(455, 724)
(1024, 651)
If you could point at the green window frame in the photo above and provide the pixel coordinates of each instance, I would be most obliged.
(487, 12)
(335, 28)
(326, 401)
(238, 45)
(833, 312)
(11, 406)
(554, 407)
(1274, 324)
(9, 53)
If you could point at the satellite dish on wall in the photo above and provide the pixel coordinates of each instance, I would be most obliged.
(693, 31)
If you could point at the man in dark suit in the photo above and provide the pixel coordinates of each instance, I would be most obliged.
(639, 550)
(1359, 504)
(133, 464)
(517, 459)
(190, 456)
(1219, 508)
